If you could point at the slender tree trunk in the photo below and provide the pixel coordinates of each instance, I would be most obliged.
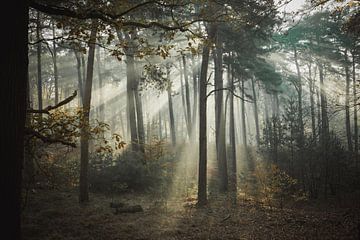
(84, 138)
(356, 131)
(80, 81)
(232, 141)
(347, 104)
(195, 95)
(38, 54)
(171, 110)
(56, 76)
(182, 92)
(14, 78)
(202, 178)
(140, 120)
(187, 97)
(312, 102)
(324, 128)
(100, 82)
(256, 113)
(219, 116)
(243, 120)
(300, 110)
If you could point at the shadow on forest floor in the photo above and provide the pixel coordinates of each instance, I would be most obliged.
(57, 215)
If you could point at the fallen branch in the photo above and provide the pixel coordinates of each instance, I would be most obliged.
(49, 108)
(129, 209)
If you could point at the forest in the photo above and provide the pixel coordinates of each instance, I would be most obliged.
(181, 119)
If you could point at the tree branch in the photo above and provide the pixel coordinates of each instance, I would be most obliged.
(46, 139)
(49, 108)
(230, 90)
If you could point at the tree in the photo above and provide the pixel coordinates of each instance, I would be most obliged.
(84, 140)
(13, 98)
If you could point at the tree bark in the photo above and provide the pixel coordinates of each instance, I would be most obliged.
(187, 97)
(80, 81)
(14, 77)
(256, 113)
(232, 140)
(219, 115)
(38, 54)
(195, 95)
(171, 110)
(140, 119)
(243, 120)
(312, 102)
(84, 138)
(56, 75)
(202, 178)
(347, 104)
(356, 131)
(300, 110)
(100, 86)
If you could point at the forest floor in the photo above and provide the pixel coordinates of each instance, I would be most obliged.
(57, 215)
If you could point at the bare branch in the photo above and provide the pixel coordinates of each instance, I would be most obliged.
(230, 90)
(45, 139)
(49, 108)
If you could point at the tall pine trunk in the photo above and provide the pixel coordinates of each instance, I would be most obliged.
(100, 86)
(187, 96)
(56, 75)
(232, 155)
(38, 54)
(84, 138)
(202, 177)
(219, 115)
(80, 81)
(256, 113)
(312, 102)
(356, 131)
(171, 110)
(347, 104)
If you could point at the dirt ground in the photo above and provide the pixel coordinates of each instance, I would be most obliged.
(57, 215)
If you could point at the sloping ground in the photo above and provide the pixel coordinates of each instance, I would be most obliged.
(57, 215)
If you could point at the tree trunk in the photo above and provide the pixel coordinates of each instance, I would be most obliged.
(195, 95)
(232, 141)
(171, 110)
(80, 81)
(100, 86)
(243, 120)
(84, 138)
(56, 76)
(182, 92)
(131, 86)
(347, 104)
(202, 178)
(38, 54)
(300, 110)
(140, 120)
(356, 133)
(14, 78)
(187, 97)
(219, 116)
(256, 113)
(312, 102)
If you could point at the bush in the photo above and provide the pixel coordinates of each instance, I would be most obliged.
(276, 187)
(132, 170)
